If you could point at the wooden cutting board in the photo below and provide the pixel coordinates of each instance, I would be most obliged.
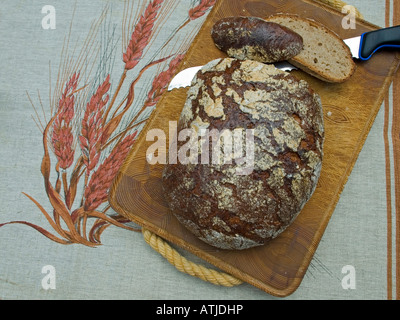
(349, 111)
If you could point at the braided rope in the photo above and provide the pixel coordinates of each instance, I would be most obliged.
(194, 269)
(186, 266)
(338, 4)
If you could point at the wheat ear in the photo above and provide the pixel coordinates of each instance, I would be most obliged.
(96, 191)
(92, 126)
(62, 138)
(140, 38)
(201, 9)
(141, 35)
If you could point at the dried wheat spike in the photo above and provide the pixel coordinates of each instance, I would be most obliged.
(201, 9)
(92, 126)
(62, 138)
(141, 35)
(97, 190)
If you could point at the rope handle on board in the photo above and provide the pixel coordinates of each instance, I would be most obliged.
(186, 266)
(339, 4)
(198, 270)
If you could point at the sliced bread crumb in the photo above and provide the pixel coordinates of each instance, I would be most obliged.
(324, 55)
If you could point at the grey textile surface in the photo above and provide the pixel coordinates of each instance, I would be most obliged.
(124, 266)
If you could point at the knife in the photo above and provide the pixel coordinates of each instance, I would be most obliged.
(361, 47)
(364, 46)
(185, 77)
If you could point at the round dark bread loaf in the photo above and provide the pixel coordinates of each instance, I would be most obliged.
(256, 39)
(233, 209)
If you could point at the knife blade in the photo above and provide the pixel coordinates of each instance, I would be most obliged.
(185, 77)
(365, 45)
(361, 47)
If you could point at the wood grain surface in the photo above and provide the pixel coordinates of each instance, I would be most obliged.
(349, 112)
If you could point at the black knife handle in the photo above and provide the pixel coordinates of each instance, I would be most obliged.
(374, 40)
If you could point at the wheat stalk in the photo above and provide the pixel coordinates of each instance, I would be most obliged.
(159, 85)
(141, 35)
(62, 137)
(201, 9)
(96, 191)
(95, 132)
(139, 40)
(92, 127)
(196, 12)
(161, 82)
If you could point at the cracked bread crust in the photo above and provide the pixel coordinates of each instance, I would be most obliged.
(232, 211)
(255, 39)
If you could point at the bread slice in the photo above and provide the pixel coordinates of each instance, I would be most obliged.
(324, 55)
(255, 39)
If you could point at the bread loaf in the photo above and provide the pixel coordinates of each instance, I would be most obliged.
(255, 39)
(325, 55)
(233, 209)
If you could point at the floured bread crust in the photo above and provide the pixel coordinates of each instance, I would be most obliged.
(238, 211)
(255, 39)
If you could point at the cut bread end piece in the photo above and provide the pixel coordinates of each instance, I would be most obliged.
(325, 55)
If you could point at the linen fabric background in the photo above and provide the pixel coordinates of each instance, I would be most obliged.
(36, 63)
